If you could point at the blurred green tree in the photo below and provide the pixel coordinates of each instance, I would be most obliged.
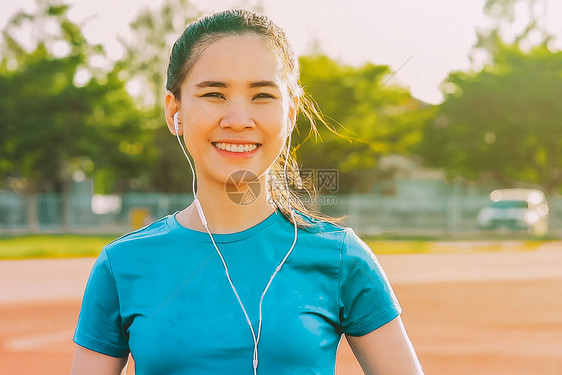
(503, 121)
(63, 112)
(380, 119)
(374, 119)
(145, 64)
(504, 15)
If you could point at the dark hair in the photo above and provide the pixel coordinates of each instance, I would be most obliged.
(205, 30)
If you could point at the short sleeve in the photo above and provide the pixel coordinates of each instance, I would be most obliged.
(367, 300)
(100, 327)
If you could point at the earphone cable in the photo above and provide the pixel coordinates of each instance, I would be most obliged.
(256, 338)
(190, 165)
(278, 268)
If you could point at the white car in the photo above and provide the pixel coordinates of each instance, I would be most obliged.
(516, 209)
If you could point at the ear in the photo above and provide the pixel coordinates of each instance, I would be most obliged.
(172, 107)
(293, 112)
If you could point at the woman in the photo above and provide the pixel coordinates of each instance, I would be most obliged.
(245, 279)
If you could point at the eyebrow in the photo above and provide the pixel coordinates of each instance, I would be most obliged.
(264, 84)
(205, 84)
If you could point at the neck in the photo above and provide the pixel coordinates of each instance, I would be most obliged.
(226, 213)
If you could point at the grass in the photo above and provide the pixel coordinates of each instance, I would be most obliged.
(72, 246)
(399, 243)
(52, 246)
(384, 247)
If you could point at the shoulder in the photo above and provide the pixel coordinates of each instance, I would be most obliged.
(334, 234)
(353, 250)
(319, 226)
(138, 239)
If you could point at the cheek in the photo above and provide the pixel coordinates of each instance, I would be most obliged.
(197, 120)
(195, 132)
(201, 114)
(276, 118)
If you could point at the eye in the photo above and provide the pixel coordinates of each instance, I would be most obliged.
(216, 95)
(263, 96)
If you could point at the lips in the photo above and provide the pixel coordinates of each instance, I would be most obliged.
(236, 147)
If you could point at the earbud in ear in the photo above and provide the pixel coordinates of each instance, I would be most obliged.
(176, 123)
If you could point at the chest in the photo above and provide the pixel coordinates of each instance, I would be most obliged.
(191, 321)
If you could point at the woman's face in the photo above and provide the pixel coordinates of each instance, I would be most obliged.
(235, 109)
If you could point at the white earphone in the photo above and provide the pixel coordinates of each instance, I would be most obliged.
(176, 123)
(256, 338)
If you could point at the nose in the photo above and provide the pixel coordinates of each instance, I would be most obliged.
(237, 116)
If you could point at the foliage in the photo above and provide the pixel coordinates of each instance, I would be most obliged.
(62, 115)
(65, 114)
(374, 118)
(504, 16)
(146, 57)
(503, 121)
(145, 62)
(380, 118)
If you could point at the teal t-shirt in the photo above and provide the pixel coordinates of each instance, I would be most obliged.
(161, 293)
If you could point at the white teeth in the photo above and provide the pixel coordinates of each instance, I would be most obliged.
(236, 147)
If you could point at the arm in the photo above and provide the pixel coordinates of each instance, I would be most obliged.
(89, 362)
(386, 351)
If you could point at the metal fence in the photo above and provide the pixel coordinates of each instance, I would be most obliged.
(75, 213)
(448, 211)
(451, 214)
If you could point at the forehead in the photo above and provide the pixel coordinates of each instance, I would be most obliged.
(236, 59)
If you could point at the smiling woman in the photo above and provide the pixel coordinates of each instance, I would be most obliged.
(241, 93)
(245, 279)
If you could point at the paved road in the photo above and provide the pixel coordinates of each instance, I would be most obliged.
(38, 280)
(542, 264)
(62, 279)
(486, 313)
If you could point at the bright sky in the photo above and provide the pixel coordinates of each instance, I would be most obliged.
(422, 40)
